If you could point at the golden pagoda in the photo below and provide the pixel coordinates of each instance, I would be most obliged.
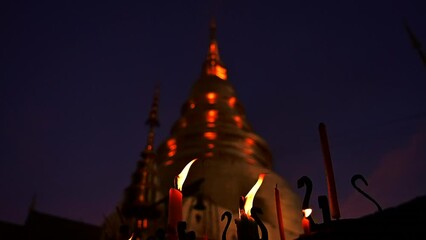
(213, 128)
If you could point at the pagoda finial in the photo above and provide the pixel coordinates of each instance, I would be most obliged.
(213, 65)
(152, 122)
(212, 29)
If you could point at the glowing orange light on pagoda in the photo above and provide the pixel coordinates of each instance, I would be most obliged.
(252, 193)
(216, 69)
(209, 154)
(248, 151)
(168, 162)
(171, 142)
(211, 116)
(183, 123)
(250, 160)
(192, 105)
(211, 97)
(171, 153)
(213, 48)
(210, 145)
(249, 141)
(221, 72)
(232, 101)
(210, 135)
(238, 121)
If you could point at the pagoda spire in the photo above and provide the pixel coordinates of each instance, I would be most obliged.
(138, 206)
(213, 65)
(152, 122)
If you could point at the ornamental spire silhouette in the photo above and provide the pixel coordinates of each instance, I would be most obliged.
(213, 65)
(138, 206)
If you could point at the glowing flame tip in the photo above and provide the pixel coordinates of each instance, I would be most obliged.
(180, 179)
(250, 195)
(307, 212)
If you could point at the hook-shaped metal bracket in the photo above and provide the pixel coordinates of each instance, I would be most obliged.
(228, 215)
(305, 181)
(254, 211)
(360, 177)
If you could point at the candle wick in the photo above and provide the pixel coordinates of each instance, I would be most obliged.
(175, 180)
(242, 202)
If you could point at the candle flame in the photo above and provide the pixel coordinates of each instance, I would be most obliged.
(131, 236)
(307, 212)
(182, 175)
(250, 195)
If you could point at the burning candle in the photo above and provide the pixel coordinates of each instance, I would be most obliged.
(175, 202)
(305, 221)
(279, 213)
(329, 173)
(246, 226)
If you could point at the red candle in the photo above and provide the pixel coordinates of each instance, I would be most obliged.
(306, 226)
(305, 221)
(175, 203)
(175, 212)
(329, 173)
(279, 213)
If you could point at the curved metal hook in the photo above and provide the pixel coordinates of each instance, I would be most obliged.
(229, 216)
(254, 211)
(360, 177)
(305, 181)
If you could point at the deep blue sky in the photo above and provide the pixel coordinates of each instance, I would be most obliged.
(77, 80)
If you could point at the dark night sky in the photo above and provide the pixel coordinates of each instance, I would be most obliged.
(77, 80)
